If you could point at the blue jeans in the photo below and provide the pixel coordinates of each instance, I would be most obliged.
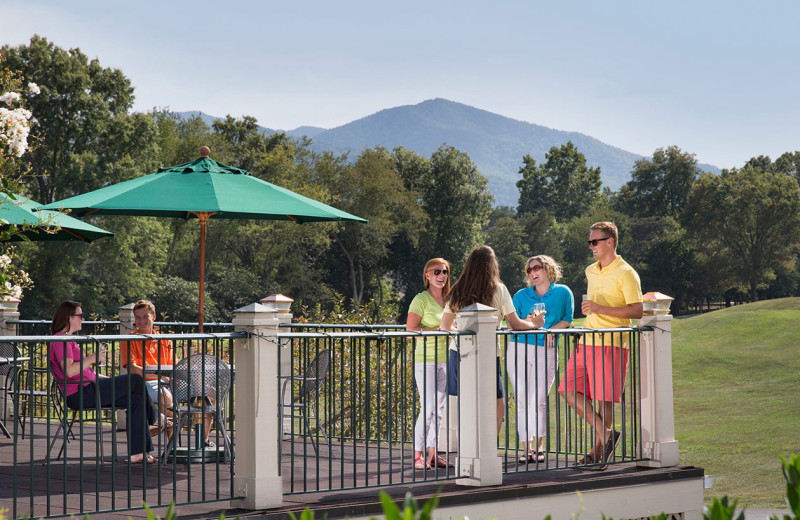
(141, 412)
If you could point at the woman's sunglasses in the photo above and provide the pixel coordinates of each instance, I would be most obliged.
(79, 315)
(437, 272)
(534, 269)
(596, 240)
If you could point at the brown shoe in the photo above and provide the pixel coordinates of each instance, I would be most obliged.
(610, 447)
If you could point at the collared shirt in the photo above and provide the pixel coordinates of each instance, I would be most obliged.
(155, 352)
(558, 303)
(615, 285)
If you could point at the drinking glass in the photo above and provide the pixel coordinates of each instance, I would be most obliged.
(586, 297)
(538, 308)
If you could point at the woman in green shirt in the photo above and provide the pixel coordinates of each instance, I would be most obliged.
(430, 362)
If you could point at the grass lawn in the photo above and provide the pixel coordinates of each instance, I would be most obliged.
(736, 376)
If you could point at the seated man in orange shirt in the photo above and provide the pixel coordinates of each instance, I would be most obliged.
(141, 353)
(152, 352)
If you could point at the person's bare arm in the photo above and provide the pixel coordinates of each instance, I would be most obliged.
(447, 321)
(531, 322)
(551, 338)
(413, 322)
(632, 311)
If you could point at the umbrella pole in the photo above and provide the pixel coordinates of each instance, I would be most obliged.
(203, 217)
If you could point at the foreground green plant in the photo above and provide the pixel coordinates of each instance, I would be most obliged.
(791, 472)
(721, 510)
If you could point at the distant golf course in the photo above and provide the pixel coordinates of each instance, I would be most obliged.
(736, 378)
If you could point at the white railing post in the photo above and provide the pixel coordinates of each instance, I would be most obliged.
(127, 324)
(658, 442)
(8, 311)
(282, 304)
(478, 463)
(257, 479)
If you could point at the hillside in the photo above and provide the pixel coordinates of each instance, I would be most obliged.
(735, 383)
(495, 143)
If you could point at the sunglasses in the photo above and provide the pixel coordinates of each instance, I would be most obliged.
(596, 240)
(437, 272)
(79, 315)
(534, 269)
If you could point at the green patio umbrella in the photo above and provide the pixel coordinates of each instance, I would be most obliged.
(202, 189)
(18, 210)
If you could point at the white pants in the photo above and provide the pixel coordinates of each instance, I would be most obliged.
(532, 371)
(431, 381)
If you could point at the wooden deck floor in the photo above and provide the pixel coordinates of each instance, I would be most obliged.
(346, 484)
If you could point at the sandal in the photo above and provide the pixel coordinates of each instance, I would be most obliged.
(532, 458)
(585, 460)
(149, 459)
(420, 463)
(440, 462)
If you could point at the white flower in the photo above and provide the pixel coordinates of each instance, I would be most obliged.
(14, 129)
(16, 291)
(33, 88)
(10, 97)
(5, 261)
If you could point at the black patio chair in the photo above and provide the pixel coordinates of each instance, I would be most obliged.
(306, 396)
(200, 385)
(65, 422)
(9, 373)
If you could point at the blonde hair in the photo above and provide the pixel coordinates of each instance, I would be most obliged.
(429, 265)
(548, 264)
(606, 227)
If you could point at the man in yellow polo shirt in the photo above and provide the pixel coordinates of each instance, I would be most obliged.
(597, 368)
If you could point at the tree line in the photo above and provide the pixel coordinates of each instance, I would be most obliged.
(690, 234)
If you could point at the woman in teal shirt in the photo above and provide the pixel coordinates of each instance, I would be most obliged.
(430, 362)
(532, 359)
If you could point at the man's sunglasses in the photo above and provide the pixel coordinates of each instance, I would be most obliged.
(437, 272)
(596, 240)
(534, 269)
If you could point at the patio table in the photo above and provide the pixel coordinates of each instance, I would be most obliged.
(166, 370)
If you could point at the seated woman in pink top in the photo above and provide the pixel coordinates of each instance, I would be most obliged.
(71, 368)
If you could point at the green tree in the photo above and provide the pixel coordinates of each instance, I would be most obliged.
(752, 217)
(371, 188)
(663, 258)
(563, 185)
(506, 235)
(789, 164)
(79, 103)
(457, 201)
(659, 186)
(84, 138)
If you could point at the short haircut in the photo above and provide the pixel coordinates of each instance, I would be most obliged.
(608, 228)
(145, 304)
(549, 265)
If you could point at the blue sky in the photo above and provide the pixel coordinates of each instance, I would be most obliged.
(719, 79)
